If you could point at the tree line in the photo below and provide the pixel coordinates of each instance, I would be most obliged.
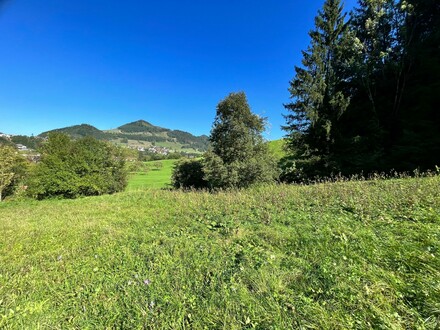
(364, 100)
(366, 96)
(67, 169)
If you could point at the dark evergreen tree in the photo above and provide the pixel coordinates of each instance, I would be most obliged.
(366, 98)
(373, 33)
(418, 140)
(319, 94)
(392, 122)
(238, 156)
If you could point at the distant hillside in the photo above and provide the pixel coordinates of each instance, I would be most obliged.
(140, 134)
(6, 142)
(79, 131)
(31, 142)
(141, 126)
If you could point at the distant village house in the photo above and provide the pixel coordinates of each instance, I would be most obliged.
(21, 147)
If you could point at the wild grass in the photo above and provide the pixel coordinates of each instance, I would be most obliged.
(348, 255)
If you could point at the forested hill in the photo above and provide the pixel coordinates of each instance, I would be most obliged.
(140, 134)
(141, 126)
(79, 131)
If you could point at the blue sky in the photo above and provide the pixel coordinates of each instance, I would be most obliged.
(107, 63)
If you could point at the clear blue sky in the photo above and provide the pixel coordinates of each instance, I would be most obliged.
(107, 63)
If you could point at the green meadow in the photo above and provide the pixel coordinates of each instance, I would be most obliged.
(158, 175)
(344, 255)
(276, 147)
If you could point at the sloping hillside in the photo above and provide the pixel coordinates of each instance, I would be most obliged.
(140, 134)
(141, 126)
(79, 131)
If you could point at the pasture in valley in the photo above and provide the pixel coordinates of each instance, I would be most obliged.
(158, 175)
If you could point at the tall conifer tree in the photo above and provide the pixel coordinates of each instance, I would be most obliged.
(318, 93)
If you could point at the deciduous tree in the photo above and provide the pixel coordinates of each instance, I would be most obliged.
(77, 168)
(238, 156)
(12, 168)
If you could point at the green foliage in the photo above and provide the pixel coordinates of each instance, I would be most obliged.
(238, 156)
(277, 148)
(13, 168)
(188, 174)
(6, 142)
(77, 168)
(157, 166)
(32, 142)
(78, 131)
(393, 121)
(317, 90)
(346, 255)
(366, 97)
(136, 166)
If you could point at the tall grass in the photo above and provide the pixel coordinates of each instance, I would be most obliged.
(347, 255)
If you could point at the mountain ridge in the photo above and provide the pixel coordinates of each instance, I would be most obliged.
(139, 134)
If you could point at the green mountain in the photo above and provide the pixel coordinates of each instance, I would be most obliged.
(79, 131)
(140, 134)
(141, 126)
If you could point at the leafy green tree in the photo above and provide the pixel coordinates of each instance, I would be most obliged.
(319, 93)
(31, 142)
(6, 172)
(12, 168)
(135, 166)
(375, 37)
(238, 156)
(77, 168)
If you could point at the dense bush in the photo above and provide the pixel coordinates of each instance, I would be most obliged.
(77, 168)
(188, 173)
(13, 168)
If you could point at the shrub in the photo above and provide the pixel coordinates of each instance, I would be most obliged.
(189, 174)
(13, 168)
(77, 168)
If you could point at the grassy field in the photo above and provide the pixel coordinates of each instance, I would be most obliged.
(276, 147)
(155, 177)
(348, 255)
